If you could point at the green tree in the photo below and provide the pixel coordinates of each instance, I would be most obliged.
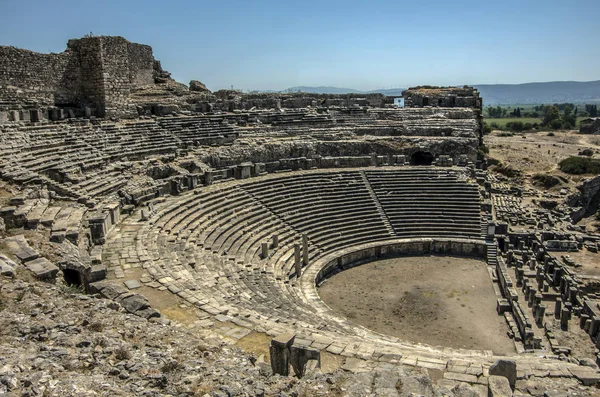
(568, 118)
(551, 116)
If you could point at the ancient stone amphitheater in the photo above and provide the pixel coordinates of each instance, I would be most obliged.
(242, 205)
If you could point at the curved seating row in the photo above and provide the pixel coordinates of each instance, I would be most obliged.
(428, 203)
(206, 245)
(71, 153)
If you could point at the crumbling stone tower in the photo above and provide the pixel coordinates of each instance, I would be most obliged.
(94, 75)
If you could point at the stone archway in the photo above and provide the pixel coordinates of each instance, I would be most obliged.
(421, 158)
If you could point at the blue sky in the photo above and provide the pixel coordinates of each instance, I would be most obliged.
(355, 44)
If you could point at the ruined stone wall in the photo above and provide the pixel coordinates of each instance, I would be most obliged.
(141, 64)
(90, 89)
(27, 76)
(94, 72)
(116, 85)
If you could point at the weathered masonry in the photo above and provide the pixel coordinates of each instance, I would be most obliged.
(93, 76)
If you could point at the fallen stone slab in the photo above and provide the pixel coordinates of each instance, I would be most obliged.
(107, 289)
(498, 386)
(354, 365)
(42, 268)
(7, 266)
(132, 284)
(48, 216)
(586, 375)
(148, 313)
(460, 377)
(20, 248)
(134, 303)
(506, 368)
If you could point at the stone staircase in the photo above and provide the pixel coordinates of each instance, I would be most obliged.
(492, 252)
(384, 217)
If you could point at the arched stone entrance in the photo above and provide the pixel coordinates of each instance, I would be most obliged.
(421, 158)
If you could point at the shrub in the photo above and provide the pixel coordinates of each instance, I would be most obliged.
(504, 134)
(516, 126)
(580, 165)
(551, 134)
(495, 126)
(545, 180)
(486, 129)
(506, 170)
(492, 161)
(556, 124)
(484, 149)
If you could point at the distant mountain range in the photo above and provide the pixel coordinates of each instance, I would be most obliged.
(499, 94)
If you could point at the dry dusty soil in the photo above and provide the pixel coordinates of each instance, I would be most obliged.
(437, 300)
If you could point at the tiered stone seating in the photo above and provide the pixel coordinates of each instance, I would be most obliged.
(72, 157)
(199, 130)
(428, 202)
(329, 208)
(196, 245)
(216, 237)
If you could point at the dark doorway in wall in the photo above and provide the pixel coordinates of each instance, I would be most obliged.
(425, 101)
(72, 277)
(421, 158)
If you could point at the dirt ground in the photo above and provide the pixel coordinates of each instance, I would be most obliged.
(537, 151)
(440, 301)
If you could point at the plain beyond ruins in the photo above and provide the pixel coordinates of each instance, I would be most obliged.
(232, 216)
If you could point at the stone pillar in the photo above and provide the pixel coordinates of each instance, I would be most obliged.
(208, 178)
(582, 320)
(569, 307)
(265, 250)
(538, 299)
(595, 326)
(299, 357)
(573, 295)
(275, 241)
(279, 352)
(25, 115)
(556, 278)
(539, 315)
(192, 181)
(557, 308)
(97, 223)
(587, 325)
(304, 250)
(297, 260)
(564, 319)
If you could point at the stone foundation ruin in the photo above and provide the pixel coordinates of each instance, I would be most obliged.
(241, 204)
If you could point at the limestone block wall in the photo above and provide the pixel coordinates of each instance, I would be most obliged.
(141, 64)
(95, 72)
(116, 86)
(45, 79)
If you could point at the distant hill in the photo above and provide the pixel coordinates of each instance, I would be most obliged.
(323, 90)
(538, 93)
(500, 94)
